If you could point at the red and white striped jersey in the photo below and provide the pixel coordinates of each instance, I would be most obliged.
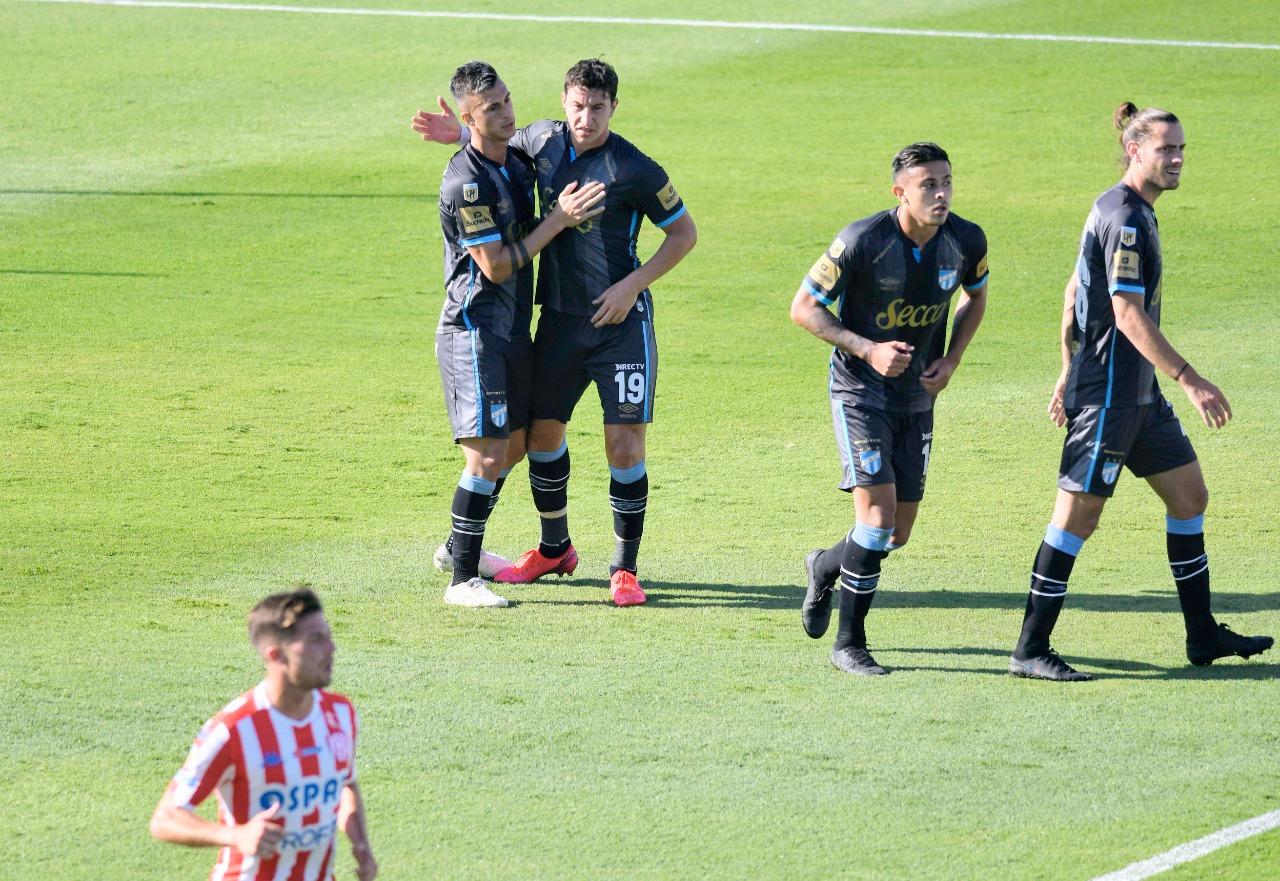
(252, 755)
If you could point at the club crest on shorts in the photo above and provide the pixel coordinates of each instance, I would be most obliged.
(1110, 471)
(471, 191)
(947, 278)
(498, 414)
(869, 461)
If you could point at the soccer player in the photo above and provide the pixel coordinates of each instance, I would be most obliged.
(596, 320)
(280, 759)
(482, 343)
(893, 275)
(1108, 398)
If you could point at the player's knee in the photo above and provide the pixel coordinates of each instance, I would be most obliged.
(624, 450)
(1191, 503)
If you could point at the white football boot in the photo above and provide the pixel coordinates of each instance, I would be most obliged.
(474, 594)
(490, 564)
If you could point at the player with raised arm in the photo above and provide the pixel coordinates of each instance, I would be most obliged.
(280, 759)
(1108, 398)
(596, 320)
(483, 348)
(891, 277)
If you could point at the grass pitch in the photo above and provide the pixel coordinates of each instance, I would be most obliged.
(219, 278)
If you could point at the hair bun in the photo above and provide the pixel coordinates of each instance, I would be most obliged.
(1123, 114)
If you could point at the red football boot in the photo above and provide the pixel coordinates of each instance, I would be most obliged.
(625, 590)
(533, 565)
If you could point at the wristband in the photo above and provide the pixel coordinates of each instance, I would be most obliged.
(1177, 376)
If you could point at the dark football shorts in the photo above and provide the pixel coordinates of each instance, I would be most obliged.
(1147, 439)
(879, 447)
(486, 382)
(621, 359)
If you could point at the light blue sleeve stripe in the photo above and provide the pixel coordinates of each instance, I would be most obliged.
(492, 237)
(1127, 288)
(672, 219)
(979, 285)
(1192, 526)
(817, 294)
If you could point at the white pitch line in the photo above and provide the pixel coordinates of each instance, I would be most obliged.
(676, 22)
(1184, 853)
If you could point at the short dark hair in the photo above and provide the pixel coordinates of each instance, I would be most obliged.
(920, 153)
(274, 619)
(592, 73)
(1137, 125)
(472, 78)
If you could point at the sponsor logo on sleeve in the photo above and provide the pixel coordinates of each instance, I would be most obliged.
(982, 267)
(1125, 264)
(668, 196)
(470, 192)
(1128, 236)
(477, 218)
(836, 249)
(825, 273)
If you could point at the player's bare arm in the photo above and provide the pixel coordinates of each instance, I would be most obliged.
(889, 359)
(258, 837)
(1057, 413)
(619, 298)
(500, 261)
(1132, 321)
(969, 312)
(354, 824)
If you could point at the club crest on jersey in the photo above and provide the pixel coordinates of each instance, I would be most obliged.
(1128, 235)
(1110, 471)
(947, 278)
(869, 461)
(340, 746)
(471, 191)
(498, 414)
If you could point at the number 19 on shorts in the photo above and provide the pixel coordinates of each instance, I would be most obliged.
(630, 386)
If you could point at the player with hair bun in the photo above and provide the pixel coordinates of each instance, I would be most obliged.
(1108, 399)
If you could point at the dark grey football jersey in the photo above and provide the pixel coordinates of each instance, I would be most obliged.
(581, 263)
(885, 288)
(481, 201)
(1119, 253)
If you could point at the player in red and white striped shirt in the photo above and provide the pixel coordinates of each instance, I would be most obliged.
(281, 759)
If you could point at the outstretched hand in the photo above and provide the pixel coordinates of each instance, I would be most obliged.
(442, 127)
(577, 204)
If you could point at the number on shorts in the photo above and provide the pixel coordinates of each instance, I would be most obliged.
(925, 452)
(630, 387)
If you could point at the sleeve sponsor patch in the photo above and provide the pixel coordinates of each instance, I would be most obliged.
(1125, 264)
(477, 218)
(668, 196)
(982, 267)
(836, 249)
(825, 273)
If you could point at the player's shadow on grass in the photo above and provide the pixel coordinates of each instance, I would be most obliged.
(680, 594)
(1145, 600)
(1103, 668)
